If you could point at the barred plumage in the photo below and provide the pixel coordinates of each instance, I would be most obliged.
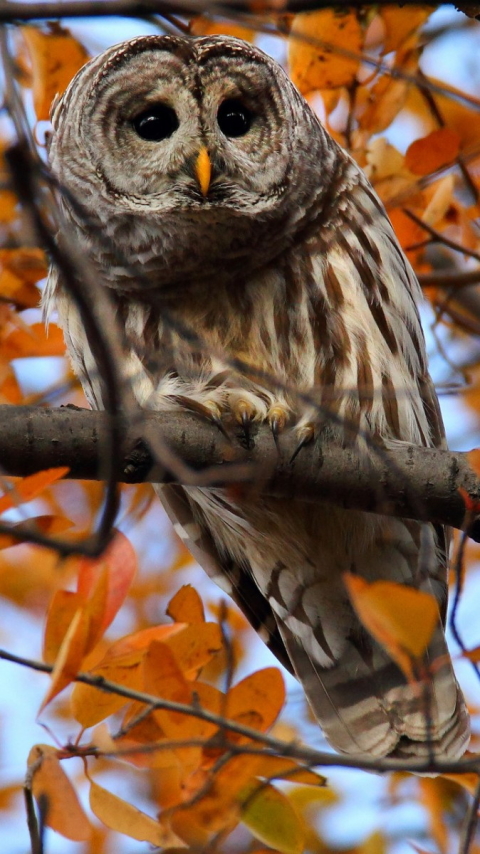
(287, 261)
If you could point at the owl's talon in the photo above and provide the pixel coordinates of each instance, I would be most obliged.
(209, 410)
(306, 435)
(277, 418)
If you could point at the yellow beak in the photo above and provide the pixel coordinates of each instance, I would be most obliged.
(203, 170)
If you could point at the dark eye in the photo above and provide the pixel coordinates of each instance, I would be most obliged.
(156, 123)
(234, 119)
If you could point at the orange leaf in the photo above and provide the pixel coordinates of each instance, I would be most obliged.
(91, 705)
(8, 205)
(118, 564)
(186, 606)
(467, 780)
(56, 57)
(30, 487)
(400, 24)
(400, 618)
(34, 341)
(203, 26)
(20, 270)
(53, 790)
(258, 699)
(194, 646)
(474, 460)
(123, 817)
(69, 658)
(62, 609)
(432, 151)
(313, 56)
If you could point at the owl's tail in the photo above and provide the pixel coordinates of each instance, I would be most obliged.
(365, 705)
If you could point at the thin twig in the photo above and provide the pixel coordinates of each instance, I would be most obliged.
(470, 824)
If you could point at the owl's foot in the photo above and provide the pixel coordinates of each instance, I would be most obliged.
(209, 410)
(306, 434)
(246, 413)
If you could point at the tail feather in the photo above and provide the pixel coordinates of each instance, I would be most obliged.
(365, 705)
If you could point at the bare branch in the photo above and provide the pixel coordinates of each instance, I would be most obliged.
(407, 481)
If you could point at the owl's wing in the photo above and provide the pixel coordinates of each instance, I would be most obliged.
(236, 581)
(366, 293)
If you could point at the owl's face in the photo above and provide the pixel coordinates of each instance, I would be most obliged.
(184, 134)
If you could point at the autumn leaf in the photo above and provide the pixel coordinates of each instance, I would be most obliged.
(429, 153)
(31, 487)
(320, 48)
(125, 818)
(56, 57)
(118, 564)
(203, 26)
(272, 818)
(47, 525)
(55, 794)
(34, 341)
(186, 606)
(20, 270)
(258, 699)
(69, 658)
(401, 23)
(402, 619)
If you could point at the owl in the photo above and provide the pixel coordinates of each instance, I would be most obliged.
(207, 196)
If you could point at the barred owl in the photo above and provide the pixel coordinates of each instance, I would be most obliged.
(197, 159)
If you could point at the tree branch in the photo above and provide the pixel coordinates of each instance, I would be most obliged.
(408, 481)
(134, 8)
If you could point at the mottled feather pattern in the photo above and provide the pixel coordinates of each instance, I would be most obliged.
(290, 265)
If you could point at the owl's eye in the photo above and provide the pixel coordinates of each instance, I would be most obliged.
(157, 123)
(234, 119)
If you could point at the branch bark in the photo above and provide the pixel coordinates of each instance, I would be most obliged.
(408, 481)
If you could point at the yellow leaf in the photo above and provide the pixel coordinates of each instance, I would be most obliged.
(30, 487)
(316, 48)
(272, 819)
(56, 57)
(388, 95)
(55, 794)
(440, 201)
(400, 618)
(123, 817)
(429, 153)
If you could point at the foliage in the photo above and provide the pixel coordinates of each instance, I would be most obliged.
(190, 738)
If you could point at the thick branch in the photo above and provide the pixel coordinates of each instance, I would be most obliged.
(410, 482)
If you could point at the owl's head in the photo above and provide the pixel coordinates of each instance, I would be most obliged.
(200, 133)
